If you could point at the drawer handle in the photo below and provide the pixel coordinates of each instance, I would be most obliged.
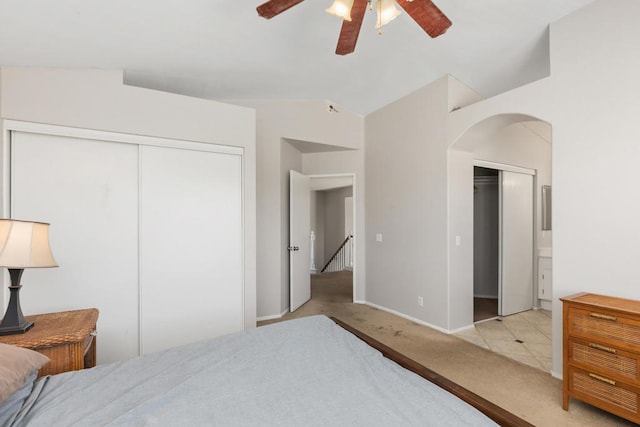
(603, 379)
(603, 316)
(603, 348)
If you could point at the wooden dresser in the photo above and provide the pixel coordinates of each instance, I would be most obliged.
(67, 338)
(601, 353)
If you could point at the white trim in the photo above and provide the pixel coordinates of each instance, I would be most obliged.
(245, 244)
(463, 328)
(504, 167)
(272, 316)
(139, 252)
(5, 185)
(98, 135)
(413, 319)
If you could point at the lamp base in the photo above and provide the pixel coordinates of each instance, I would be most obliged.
(20, 329)
(13, 321)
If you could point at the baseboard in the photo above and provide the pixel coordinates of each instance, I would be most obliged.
(546, 305)
(404, 316)
(273, 316)
(464, 328)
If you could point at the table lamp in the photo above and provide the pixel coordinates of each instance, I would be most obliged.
(23, 244)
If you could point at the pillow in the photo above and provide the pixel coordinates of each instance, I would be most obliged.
(16, 365)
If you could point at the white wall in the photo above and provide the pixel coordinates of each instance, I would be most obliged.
(596, 104)
(97, 99)
(460, 227)
(420, 195)
(300, 120)
(406, 202)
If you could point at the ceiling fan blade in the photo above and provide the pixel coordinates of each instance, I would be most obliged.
(351, 29)
(427, 15)
(275, 7)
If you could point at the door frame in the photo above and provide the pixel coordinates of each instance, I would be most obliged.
(516, 169)
(352, 175)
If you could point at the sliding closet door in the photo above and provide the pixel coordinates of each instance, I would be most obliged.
(88, 191)
(516, 230)
(190, 246)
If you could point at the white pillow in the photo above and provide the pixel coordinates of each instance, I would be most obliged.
(16, 365)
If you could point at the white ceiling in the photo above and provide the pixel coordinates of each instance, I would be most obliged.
(221, 49)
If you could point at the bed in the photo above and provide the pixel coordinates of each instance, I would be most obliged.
(312, 371)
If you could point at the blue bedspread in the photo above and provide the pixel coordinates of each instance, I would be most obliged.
(304, 372)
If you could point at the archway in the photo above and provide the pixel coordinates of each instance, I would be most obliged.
(518, 140)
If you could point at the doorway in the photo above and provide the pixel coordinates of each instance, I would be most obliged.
(333, 222)
(486, 236)
(503, 241)
(325, 209)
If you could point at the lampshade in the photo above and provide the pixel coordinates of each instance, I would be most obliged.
(25, 244)
(387, 12)
(342, 9)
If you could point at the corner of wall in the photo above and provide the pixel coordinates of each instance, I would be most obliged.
(460, 94)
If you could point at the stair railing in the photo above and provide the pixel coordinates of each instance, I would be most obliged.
(340, 258)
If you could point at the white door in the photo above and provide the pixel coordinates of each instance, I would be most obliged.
(88, 191)
(151, 236)
(516, 251)
(190, 246)
(299, 231)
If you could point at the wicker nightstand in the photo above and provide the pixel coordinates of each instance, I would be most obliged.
(67, 338)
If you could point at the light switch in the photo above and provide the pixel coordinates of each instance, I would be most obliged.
(457, 240)
(379, 237)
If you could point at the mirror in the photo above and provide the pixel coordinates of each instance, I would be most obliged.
(546, 207)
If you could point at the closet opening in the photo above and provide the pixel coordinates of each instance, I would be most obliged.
(486, 240)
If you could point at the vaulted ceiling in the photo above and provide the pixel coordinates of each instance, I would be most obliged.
(222, 49)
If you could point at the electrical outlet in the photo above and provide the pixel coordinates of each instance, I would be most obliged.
(420, 302)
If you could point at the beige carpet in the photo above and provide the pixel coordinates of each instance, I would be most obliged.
(527, 392)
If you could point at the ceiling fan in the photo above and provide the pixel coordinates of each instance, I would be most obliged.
(424, 12)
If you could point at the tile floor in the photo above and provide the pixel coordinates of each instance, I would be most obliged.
(525, 337)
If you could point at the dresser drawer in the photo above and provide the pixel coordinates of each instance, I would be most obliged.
(608, 360)
(605, 325)
(613, 396)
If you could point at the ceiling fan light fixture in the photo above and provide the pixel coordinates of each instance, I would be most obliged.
(341, 9)
(387, 12)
